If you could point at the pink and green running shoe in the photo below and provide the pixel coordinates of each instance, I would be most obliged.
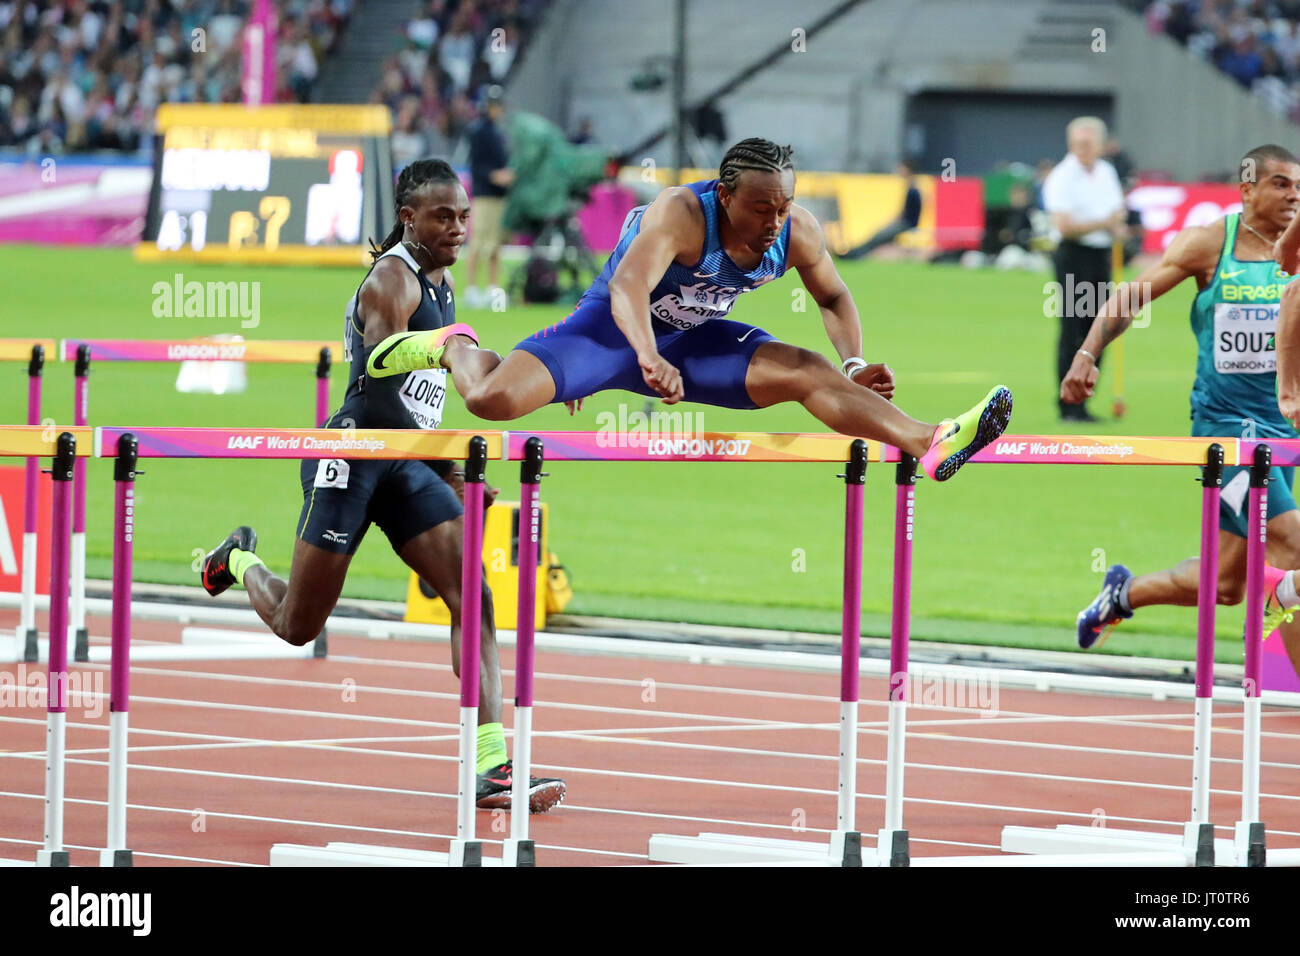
(957, 439)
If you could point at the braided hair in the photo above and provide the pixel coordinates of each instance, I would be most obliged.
(421, 173)
(754, 153)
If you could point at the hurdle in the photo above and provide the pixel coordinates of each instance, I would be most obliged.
(23, 645)
(64, 447)
(208, 644)
(128, 445)
(1196, 845)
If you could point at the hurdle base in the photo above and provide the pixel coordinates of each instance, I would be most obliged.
(81, 645)
(518, 853)
(1248, 844)
(52, 858)
(26, 648)
(892, 848)
(1071, 839)
(731, 849)
(846, 846)
(1198, 840)
(360, 854)
(116, 858)
(320, 647)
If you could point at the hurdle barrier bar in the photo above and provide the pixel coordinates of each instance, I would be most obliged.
(82, 351)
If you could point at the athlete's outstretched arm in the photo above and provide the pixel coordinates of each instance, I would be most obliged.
(1287, 343)
(1193, 252)
(817, 271)
(673, 225)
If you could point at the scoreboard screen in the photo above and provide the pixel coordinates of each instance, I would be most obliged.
(302, 184)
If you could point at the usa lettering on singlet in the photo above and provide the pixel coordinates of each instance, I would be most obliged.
(688, 296)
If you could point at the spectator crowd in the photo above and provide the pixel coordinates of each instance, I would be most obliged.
(453, 51)
(1256, 42)
(88, 74)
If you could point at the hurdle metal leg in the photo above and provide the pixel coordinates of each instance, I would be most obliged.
(53, 854)
(78, 635)
(518, 849)
(115, 852)
(25, 638)
(891, 841)
(1248, 834)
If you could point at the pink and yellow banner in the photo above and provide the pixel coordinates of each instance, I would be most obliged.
(201, 350)
(705, 446)
(20, 350)
(296, 443)
(40, 441)
(1103, 450)
(1285, 452)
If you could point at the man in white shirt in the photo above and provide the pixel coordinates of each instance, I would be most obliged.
(1086, 202)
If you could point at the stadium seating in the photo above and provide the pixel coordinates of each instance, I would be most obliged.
(88, 74)
(1256, 42)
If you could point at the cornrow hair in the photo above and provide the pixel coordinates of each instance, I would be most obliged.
(754, 153)
(413, 178)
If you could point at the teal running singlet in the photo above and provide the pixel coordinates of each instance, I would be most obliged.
(1234, 319)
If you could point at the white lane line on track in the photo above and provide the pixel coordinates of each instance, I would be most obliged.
(314, 824)
(601, 736)
(136, 853)
(915, 709)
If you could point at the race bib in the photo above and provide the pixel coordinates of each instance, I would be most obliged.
(1243, 338)
(693, 305)
(423, 395)
(332, 473)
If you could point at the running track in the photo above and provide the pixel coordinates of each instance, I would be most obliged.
(229, 757)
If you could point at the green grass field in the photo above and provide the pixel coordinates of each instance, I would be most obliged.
(1003, 554)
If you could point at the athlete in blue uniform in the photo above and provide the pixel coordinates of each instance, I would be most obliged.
(398, 325)
(655, 322)
(1234, 316)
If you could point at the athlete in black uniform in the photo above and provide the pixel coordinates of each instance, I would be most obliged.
(399, 324)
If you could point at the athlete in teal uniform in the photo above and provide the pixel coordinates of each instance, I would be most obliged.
(1234, 317)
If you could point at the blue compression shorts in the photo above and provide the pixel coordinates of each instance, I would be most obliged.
(588, 353)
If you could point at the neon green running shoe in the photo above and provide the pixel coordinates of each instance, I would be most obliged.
(1277, 616)
(415, 351)
(957, 439)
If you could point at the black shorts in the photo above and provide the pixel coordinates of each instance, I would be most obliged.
(342, 497)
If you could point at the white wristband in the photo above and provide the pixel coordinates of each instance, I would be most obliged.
(853, 365)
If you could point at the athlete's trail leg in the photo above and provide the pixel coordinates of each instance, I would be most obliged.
(785, 373)
(296, 609)
(435, 556)
(1180, 584)
(519, 385)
